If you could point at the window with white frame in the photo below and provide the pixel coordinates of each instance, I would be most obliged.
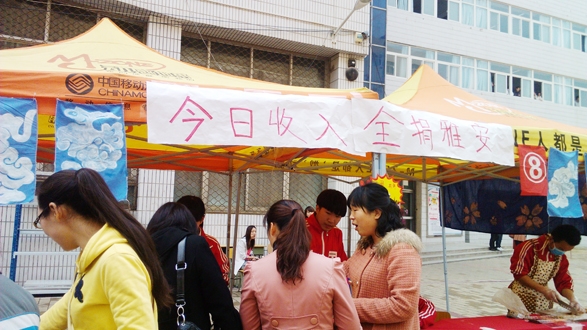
(423, 7)
(448, 10)
(521, 22)
(468, 12)
(499, 17)
(399, 4)
(541, 27)
(579, 37)
(482, 75)
(397, 65)
(421, 56)
(494, 15)
(566, 34)
(468, 73)
(481, 14)
(543, 86)
(449, 67)
(521, 78)
(499, 78)
(580, 93)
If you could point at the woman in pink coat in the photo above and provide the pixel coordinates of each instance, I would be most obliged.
(385, 269)
(293, 288)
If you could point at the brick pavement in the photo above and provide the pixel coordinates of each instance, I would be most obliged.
(471, 284)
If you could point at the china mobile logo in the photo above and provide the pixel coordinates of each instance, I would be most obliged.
(79, 83)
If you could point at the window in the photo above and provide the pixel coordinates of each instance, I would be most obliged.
(521, 22)
(482, 75)
(468, 12)
(133, 187)
(542, 86)
(399, 4)
(304, 188)
(568, 88)
(397, 65)
(566, 34)
(423, 7)
(541, 27)
(579, 37)
(187, 183)
(424, 54)
(522, 78)
(498, 17)
(468, 73)
(580, 93)
(481, 14)
(448, 10)
(499, 78)
(448, 67)
(556, 32)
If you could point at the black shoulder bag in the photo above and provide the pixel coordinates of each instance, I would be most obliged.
(180, 267)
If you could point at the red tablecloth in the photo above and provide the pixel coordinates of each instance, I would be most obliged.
(497, 323)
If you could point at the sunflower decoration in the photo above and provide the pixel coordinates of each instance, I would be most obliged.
(528, 218)
(472, 214)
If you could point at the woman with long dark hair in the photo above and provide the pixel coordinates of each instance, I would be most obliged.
(385, 269)
(205, 291)
(293, 288)
(119, 282)
(244, 249)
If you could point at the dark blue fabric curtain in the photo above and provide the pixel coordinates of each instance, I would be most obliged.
(495, 206)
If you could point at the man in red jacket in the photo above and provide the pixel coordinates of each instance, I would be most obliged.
(198, 210)
(326, 237)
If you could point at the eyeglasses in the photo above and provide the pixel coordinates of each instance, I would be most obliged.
(38, 219)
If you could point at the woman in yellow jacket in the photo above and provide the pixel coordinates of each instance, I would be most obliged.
(118, 282)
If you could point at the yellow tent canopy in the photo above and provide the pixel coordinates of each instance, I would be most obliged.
(105, 65)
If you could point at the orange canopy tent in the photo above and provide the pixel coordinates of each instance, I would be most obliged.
(105, 65)
(428, 91)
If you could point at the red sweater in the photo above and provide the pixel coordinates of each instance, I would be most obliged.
(523, 260)
(219, 255)
(327, 243)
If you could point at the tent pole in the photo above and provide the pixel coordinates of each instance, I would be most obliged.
(229, 226)
(444, 262)
(382, 164)
(236, 219)
(374, 164)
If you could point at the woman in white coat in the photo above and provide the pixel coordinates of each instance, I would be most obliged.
(244, 249)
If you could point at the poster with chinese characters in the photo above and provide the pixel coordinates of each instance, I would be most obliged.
(380, 126)
(205, 116)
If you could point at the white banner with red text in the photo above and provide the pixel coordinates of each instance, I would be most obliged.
(179, 114)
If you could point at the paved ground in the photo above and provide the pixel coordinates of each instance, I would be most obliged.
(471, 284)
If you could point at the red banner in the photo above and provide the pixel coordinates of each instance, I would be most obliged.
(533, 174)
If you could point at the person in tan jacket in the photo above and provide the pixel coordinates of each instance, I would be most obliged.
(294, 288)
(384, 272)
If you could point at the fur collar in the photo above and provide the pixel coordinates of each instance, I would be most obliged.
(390, 240)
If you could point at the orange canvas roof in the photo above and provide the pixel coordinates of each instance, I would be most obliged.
(105, 64)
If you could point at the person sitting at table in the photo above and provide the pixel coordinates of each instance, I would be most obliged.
(538, 260)
(244, 249)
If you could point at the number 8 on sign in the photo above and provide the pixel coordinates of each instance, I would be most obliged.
(534, 167)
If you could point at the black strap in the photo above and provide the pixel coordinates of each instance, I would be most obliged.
(180, 267)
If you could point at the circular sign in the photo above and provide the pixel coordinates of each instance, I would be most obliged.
(534, 167)
(79, 83)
